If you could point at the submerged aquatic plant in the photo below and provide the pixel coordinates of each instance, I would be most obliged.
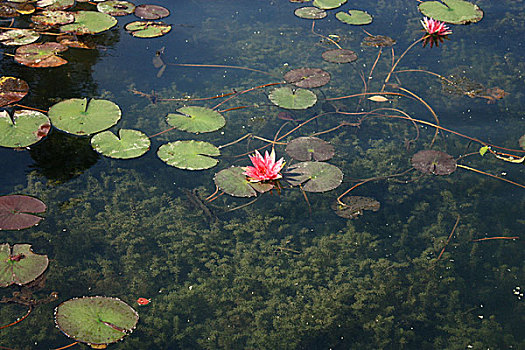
(435, 30)
(264, 169)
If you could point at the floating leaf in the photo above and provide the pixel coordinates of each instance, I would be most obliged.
(307, 77)
(233, 182)
(12, 90)
(522, 141)
(81, 116)
(147, 29)
(308, 148)
(189, 155)
(89, 22)
(52, 18)
(328, 4)
(40, 55)
(355, 206)
(452, 11)
(314, 176)
(19, 37)
(355, 17)
(116, 7)
(56, 5)
(434, 162)
(151, 12)
(15, 209)
(483, 150)
(24, 129)
(196, 119)
(310, 12)
(129, 144)
(339, 56)
(378, 98)
(96, 320)
(378, 41)
(20, 265)
(286, 97)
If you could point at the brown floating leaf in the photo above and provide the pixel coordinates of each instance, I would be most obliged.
(12, 90)
(15, 209)
(306, 148)
(378, 41)
(434, 162)
(354, 206)
(307, 77)
(339, 56)
(40, 55)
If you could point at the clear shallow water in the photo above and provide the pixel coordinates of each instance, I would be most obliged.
(273, 274)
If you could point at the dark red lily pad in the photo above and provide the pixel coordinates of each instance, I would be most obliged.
(12, 90)
(355, 206)
(307, 77)
(339, 56)
(40, 55)
(16, 211)
(378, 41)
(434, 162)
(308, 148)
(151, 12)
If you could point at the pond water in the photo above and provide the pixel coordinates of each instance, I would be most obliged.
(440, 263)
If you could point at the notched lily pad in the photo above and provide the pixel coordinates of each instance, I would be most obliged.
(434, 162)
(96, 321)
(40, 55)
(308, 148)
(12, 90)
(339, 56)
(307, 77)
(286, 97)
(196, 119)
(310, 12)
(314, 176)
(129, 144)
(233, 182)
(147, 29)
(452, 11)
(189, 155)
(25, 128)
(151, 12)
(16, 211)
(19, 37)
(116, 7)
(20, 265)
(89, 22)
(354, 17)
(355, 206)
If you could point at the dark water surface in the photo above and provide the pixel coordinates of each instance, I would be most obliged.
(285, 272)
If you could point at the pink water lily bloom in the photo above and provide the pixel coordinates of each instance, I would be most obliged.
(435, 30)
(264, 169)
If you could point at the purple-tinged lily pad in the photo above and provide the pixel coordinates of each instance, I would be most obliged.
(378, 41)
(339, 56)
(40, 55)
(314, 176)
(150, 12)
(233, 182)
(12, 90)
(355, 206)
(310, 12)
(308, 148)
(434, 162)
(307, 77)
(16, 211)
(20, 265)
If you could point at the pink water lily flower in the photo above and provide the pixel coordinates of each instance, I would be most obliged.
(264, 169)
(435, 30)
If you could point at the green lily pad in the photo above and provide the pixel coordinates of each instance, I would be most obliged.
(89, 22)
(286, 97)
(24, 129)
(81, 116)
(310, 12)
(96, 320)
(189, 155)
(129, 144)
(116, 7)
(355, 17)
(307, 77)
(233, 182)
(328, 4)
(19, 37)
(20, 265)
(339, 56)
(55, 5)
(151, 12)
(52, 18)
(314, 176)
(452, 11)
(196, 119)
(306, 148)
(12, 90)
(355, 206)
(434, 162)
(147, 29)
(40, 55)
(16, 211)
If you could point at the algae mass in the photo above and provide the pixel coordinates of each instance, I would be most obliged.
(283, 272)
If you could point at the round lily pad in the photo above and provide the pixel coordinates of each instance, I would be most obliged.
(89, 22)
(306, 148)
(52, 18)
(328, 4)
(434, 162)
(339, 56)
(16, 211)
(55, 5)
(147, 29)
(96, 320)
(355, 17)
(189, 155)
(151, 12)
(40, 55)
(307, 77)
(451, 11)
(81, 116)
(12, 90)
(24, 129)
(233, 182)
(196, 119)
(116, 7)
(19, 37)
(129, 144)
(355, 206)
(289, 98)
(378, 41)
(314, 176)
(310, 12)
(20, 265)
